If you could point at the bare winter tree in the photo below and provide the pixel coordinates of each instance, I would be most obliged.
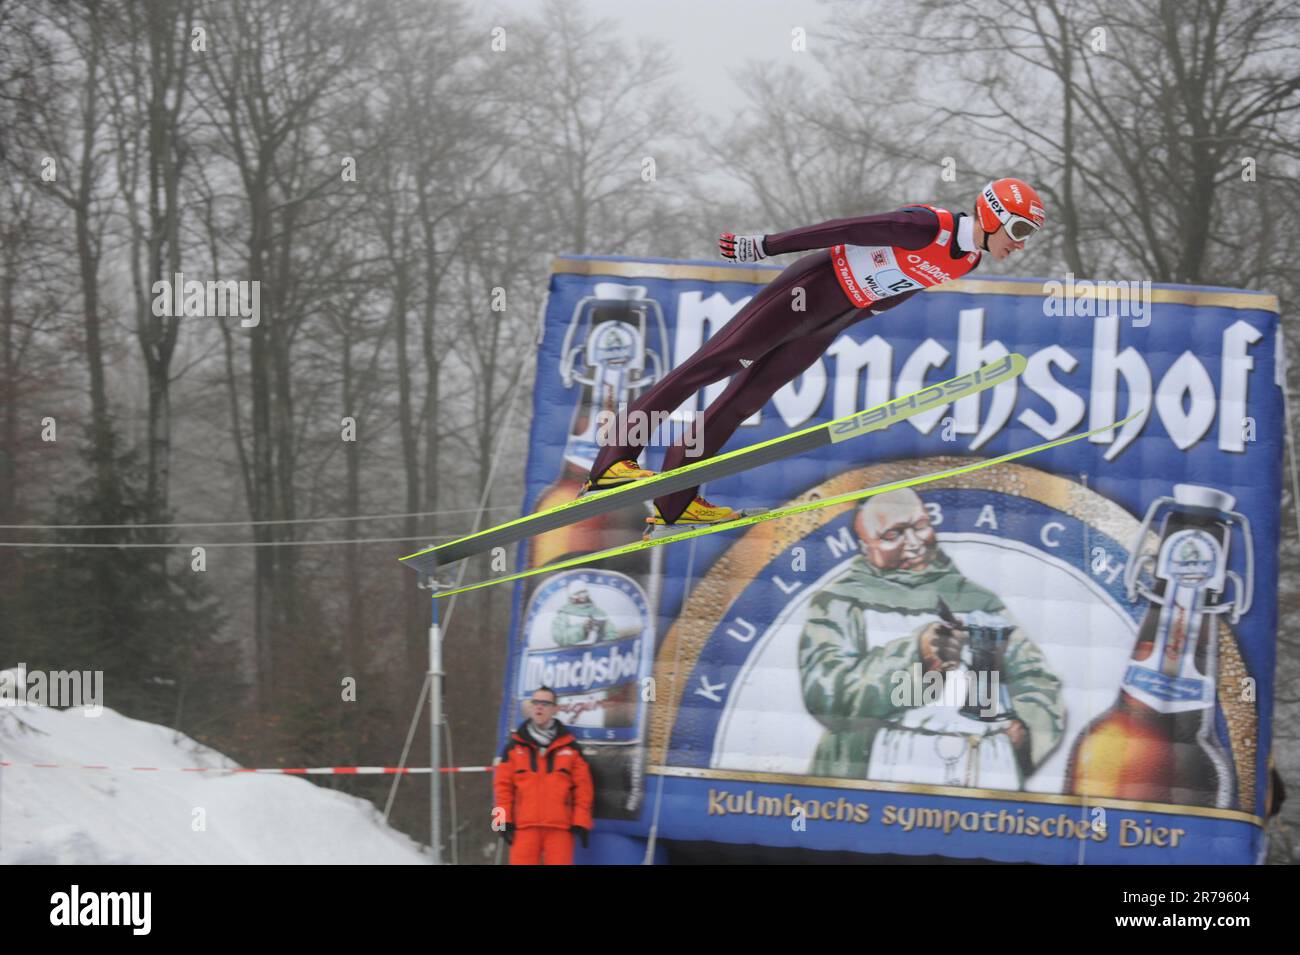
(58, 152)
(266, 86)
(148, 64)
(799, 157)
(1142, 119)
(446, 134)
(592, 111)
(32, 296)
(30, 281)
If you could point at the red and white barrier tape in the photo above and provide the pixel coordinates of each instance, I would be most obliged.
(308, 771)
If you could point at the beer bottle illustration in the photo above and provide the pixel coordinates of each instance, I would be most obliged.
(616, 345)
(1158, 741)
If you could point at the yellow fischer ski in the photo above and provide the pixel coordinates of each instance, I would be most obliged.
(876, 418)
(586, 559)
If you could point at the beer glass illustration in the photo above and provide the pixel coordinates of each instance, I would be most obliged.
(988, 636)
(1158, 741)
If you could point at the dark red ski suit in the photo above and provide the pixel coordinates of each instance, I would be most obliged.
(779, 342)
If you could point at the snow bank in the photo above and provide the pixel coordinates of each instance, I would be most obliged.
(120, 816)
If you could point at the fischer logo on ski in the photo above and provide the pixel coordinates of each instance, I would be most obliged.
(918, 401)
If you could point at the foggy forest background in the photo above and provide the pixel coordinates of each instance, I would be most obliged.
(1165, 146)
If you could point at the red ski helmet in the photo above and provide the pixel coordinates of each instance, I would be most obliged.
(1011, 203)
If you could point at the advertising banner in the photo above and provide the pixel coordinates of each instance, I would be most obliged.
(1064, 659)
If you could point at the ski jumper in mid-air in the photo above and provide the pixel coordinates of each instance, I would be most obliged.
(865, 265)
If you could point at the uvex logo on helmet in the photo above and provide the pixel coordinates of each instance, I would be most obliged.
(991, 198)
(1003, 200)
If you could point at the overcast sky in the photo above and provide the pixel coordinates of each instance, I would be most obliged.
(709, 39)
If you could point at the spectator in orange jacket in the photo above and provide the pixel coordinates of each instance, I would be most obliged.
(543, 788)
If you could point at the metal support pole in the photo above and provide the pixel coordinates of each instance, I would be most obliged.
(435, 728)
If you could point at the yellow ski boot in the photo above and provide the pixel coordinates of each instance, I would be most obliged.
(616, 475)
(699, 513)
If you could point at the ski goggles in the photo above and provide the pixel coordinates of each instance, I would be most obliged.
(1019, 228)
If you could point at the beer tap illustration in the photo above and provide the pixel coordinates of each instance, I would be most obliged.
(1158, 741)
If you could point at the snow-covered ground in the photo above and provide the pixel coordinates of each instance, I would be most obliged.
(122, 816)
